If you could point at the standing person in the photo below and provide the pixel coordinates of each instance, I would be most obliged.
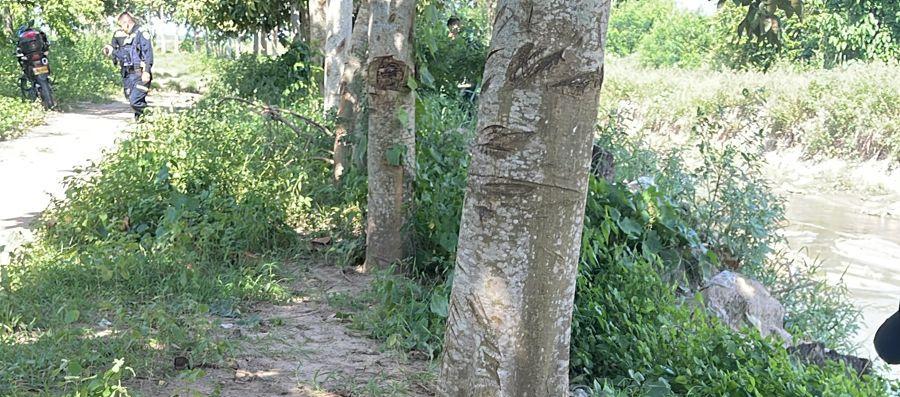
(132, 51)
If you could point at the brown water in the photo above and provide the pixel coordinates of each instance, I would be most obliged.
(862, 249)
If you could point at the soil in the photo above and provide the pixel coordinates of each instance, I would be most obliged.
(304, 348)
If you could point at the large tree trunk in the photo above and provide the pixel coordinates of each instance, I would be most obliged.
(256, 43)
(392, 140)
(520, 233)
(351, 88)
(339, 22)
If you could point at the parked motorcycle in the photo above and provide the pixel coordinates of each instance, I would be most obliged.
(32, 50)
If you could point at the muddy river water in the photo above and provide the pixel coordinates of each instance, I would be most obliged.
(862, 249)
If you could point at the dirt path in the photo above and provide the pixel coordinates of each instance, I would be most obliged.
(302, 349)
(32, 167)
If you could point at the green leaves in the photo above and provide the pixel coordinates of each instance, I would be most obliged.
(395, 155)
(439, 305)
(71, 316)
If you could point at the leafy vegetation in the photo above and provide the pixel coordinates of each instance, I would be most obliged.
(189, 217)
(848, 112)
(80, 73)
(198, 213)
(820, 33)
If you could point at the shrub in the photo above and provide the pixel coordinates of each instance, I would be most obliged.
(680, 39)
(190, 216)
(631, 20)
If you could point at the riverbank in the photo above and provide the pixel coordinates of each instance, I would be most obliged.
(845, 216)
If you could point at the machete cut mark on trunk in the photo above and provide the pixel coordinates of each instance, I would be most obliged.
(526, 64)
(580, 83)
(486, 84)
(497, 17)
(498, 186)
(499, 138)
(390, 74)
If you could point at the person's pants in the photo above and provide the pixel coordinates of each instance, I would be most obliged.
(136, 92)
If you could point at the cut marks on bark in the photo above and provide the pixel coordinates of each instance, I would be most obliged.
(390, 74)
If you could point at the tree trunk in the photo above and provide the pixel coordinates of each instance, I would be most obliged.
(274, 35)
(520, 233)
(263, 45)
(206, 41)
(196, 42)
(295, 22)
(339, 14)
(352, 83)
(392, 140)
(317, 34)
(8, 22)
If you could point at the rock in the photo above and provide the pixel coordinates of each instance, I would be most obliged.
(738, 301)
(817, 354)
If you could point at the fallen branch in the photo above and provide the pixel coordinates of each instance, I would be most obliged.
(275, 113)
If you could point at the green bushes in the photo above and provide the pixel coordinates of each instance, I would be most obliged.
(189, 217)
(281, 81)
(631, 331)
(80, 73)
(693, 209)
(849, 112)
(16, 116)
(659, 34)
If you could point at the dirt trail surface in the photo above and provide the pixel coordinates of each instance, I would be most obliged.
(303, 348)
(32, 167)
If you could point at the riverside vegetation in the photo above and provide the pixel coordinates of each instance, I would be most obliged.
(202, 212)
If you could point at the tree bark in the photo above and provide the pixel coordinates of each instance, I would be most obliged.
(339, 24)
(263, 45)
(392, 142)
(295, 21)
(351, 88)
(274, 36)
(317, 35)
(511, 305)
(8, 22)
(256, 43)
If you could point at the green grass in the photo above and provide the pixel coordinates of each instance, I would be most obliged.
(850, 112)
(189, 218)
(17, 116)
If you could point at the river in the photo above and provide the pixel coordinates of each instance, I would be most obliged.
(862, 249)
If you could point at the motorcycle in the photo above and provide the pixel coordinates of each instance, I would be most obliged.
(32, 50)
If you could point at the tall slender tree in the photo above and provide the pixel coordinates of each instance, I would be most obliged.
(391, 143)
(339, 24)
(351, 89)
(514, 284)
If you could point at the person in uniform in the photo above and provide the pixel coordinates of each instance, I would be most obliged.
(132, 51)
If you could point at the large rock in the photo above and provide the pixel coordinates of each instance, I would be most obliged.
(738, 301)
